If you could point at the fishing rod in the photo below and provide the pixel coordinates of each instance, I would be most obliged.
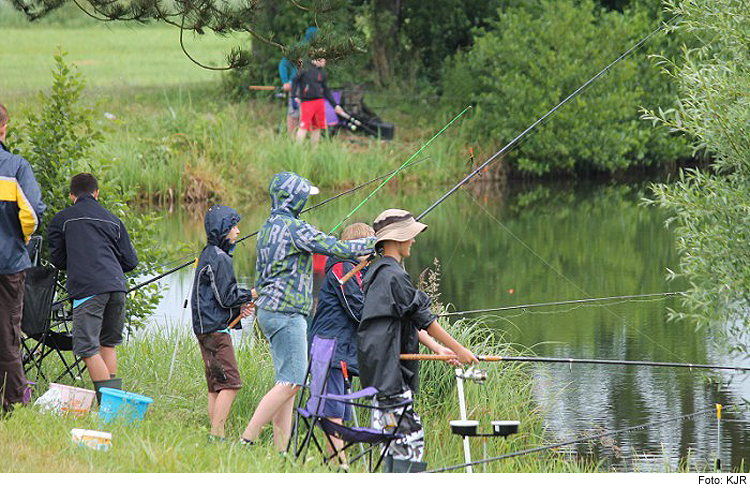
(559, 303)
(437, 134)
(571, 361)
(328, 200)
(518, 138)
(575, 441)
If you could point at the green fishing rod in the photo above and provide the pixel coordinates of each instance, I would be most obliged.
(388, 177)
(437, 134)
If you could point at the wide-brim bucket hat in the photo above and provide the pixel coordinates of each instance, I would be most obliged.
(397, 225)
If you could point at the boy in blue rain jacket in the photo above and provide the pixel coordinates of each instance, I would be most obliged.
(216, 300)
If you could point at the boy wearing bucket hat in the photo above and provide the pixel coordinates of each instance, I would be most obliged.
(284, 285)
(395, 317)
(215, 301)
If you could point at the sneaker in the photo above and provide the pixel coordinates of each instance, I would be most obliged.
(216, 438)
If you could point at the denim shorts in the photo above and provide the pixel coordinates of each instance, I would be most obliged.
(287, 334)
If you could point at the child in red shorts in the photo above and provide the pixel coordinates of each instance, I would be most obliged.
(309, 88)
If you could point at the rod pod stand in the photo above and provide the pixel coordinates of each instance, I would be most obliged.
(462, 408)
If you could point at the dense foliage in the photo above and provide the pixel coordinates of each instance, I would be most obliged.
(710, 207)
(535, 55)
(58, 142)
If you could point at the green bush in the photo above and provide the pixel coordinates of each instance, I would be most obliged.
(58, 142)
(538, 53)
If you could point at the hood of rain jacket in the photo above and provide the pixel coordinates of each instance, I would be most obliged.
(216, 297)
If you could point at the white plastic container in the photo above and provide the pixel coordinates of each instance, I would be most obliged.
(93, 439)
(75, 400)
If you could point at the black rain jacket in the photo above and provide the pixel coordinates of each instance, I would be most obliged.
(94, 247)
(393, 312)
(216, 297)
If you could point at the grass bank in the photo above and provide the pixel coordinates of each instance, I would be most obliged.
(172, 438)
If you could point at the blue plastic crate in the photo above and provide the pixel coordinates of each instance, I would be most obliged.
(118, 404)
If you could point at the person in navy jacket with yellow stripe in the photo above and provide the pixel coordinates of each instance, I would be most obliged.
(21, 208)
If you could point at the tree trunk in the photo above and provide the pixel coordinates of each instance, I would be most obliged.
(386, 16)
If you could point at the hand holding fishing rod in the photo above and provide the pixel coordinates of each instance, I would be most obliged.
(246, 309)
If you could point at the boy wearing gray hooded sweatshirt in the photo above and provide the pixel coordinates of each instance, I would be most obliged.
(284, 286)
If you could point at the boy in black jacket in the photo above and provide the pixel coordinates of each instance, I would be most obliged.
(396, 317)
(215, 301)
(93, 246)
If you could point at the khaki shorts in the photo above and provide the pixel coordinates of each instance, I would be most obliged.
(219, 362)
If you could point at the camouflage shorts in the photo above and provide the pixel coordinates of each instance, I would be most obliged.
(411, 447)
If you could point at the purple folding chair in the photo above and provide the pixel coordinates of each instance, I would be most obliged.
(321, 354)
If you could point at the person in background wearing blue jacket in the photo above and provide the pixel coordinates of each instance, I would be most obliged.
(216, 300)
(21, 208)
(94, 247)
(284, 286)
(337, 316)
(287, 72)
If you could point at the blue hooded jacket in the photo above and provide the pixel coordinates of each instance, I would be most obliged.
(216, 298)
(285, 247)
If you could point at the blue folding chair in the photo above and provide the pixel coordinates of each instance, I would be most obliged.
(321, 354)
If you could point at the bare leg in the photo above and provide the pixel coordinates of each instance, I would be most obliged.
(110, 358)
(282, 423)
(281, 395)
(291, 125)
(301, 134)
(97, 368)
(315, 137)
(221, 405)
(337, 442)
(212, 395)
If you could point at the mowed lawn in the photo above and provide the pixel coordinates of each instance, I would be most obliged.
(108, 55)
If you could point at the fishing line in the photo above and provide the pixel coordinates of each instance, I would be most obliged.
(605, 307)
(399, 169)
(575, 441)
(515, 140)
(566, 302)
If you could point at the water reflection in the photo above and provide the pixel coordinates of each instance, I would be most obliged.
(556, 242)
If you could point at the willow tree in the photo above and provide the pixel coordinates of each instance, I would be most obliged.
(709, 206)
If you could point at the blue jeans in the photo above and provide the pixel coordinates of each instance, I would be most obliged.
(287, 335)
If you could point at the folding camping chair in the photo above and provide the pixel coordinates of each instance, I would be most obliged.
(45, 323)
(321, 354)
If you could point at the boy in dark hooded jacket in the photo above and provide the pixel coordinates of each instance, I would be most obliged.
(215, 301)
(284, 284)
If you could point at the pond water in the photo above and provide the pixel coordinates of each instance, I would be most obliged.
(514, 245)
